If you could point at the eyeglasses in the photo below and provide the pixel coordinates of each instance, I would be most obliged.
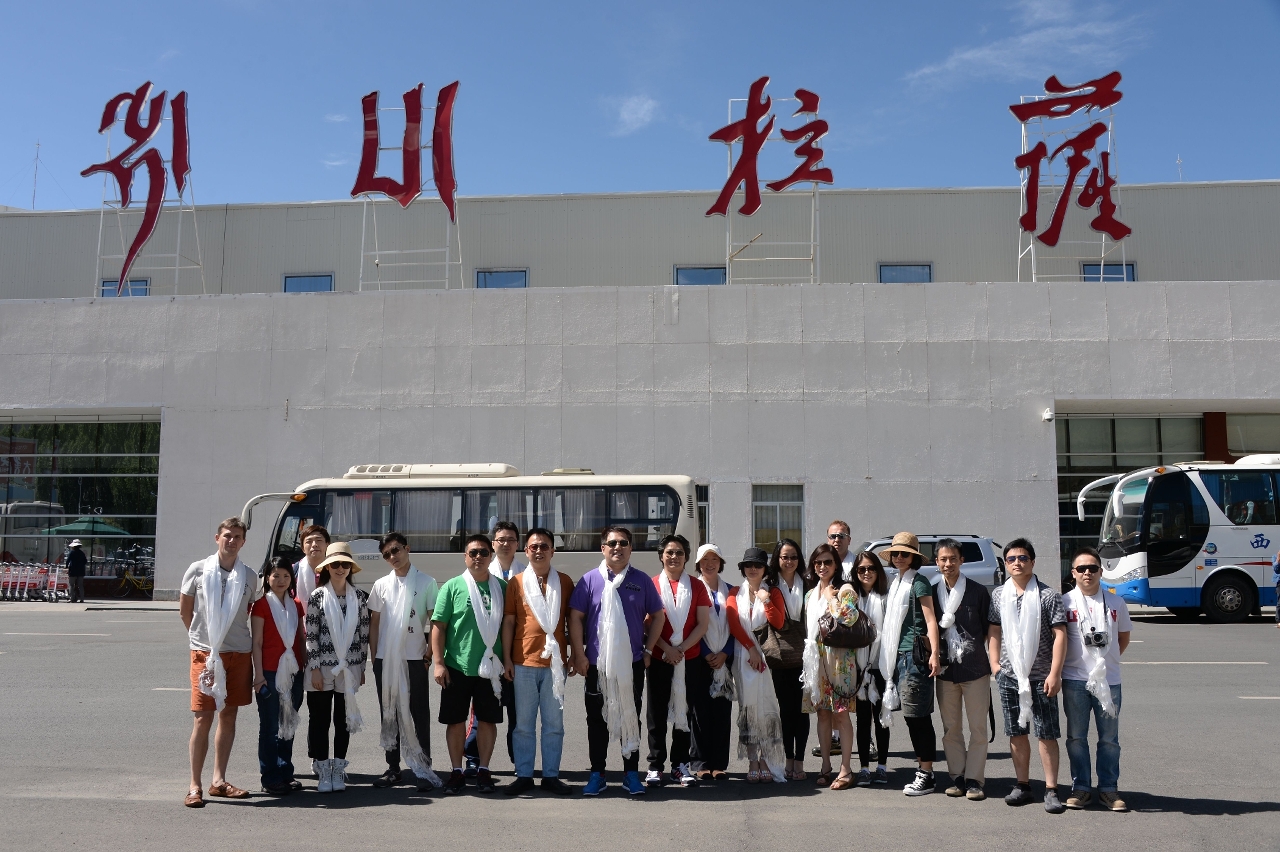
(1021, 557)
(506, 541)
(479, 554)
(616, 543)
(837, 536)
(1087, 568)
(790, 558)
(392, 551)
(536, 546)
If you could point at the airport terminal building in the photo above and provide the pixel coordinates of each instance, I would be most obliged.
(911, 375)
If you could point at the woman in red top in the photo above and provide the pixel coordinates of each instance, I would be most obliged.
(759, 719)
(688, 608)
(274, 614)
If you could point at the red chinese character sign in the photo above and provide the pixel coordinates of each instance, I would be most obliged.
(1060, 102)
(403, 192)
(748, 131)
(123, 165)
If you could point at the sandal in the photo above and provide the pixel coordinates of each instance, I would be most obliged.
(823, 780)
(719, 775)
(766, 777)
(228, 791)
(753, 777)
(844, 782)
(702, 775)
(195, 798)
(798, 775)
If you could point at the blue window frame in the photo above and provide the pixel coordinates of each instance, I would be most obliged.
(906, 273)
(135, 287)
(501, 279)
(308, 283)
(1108, 272)
(700, 275)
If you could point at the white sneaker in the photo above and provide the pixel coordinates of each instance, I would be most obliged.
(324, 771)
(685, 776)
(339, 768)
(653, 778)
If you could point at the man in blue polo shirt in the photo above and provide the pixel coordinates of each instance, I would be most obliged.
(612, 649)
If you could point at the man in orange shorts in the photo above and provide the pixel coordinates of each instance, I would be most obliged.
(217, 593)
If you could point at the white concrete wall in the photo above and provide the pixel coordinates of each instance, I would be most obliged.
(898, 406)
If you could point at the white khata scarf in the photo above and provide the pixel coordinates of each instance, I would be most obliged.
(872, 606)
(815, 605)
(793, 594)
(342, 630)
(1097, 657)
(895, 613)
(306, 580)
(759, 717)
(285, 615)
(613, 663)
(223, 609)
(401, 615)
(677, 609)
(1020, 628)
(489, 622)
(546, 611)
(957, 645)
(717, 637)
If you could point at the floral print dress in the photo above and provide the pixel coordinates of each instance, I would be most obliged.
(838, 670)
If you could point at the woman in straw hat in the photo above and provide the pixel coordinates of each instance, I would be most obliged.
(909, 616)
(337, 648)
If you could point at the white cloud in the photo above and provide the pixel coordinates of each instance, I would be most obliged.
(335, 117)
(1055, 37)
(633, 113)
(168, 54)
(332, 161)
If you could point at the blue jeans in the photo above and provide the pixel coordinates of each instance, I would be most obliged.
(533, 696)
(275, 756)
(1079, 704)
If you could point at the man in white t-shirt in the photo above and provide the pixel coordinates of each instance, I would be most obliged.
(1098, 630)
(838, 536)
(404, 580)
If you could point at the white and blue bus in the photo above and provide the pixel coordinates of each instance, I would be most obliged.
(1192, 536)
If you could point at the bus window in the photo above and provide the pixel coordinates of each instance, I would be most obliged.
(1247, 497)
(430, 519)
(1176, 524)
(359, 514)
(297, 517)
(650, 514)
(483, 508)
(575, 515)
(1122, 518)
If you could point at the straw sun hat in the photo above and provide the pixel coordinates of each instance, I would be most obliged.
(340, 551)
(903, 542)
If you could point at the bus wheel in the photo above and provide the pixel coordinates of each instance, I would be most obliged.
(1228, 600)
(1184, 613)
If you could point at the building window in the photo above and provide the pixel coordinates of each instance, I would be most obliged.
(501, 279)
(700, 275)
(906, 273)
(135, 287)
(308, 283)
(704, 507)
(1090, 448)
(1108, 272)
(777, 512)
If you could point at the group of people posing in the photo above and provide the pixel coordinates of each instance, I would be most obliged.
(829, 636)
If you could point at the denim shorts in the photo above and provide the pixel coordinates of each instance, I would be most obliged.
(1044, 710)
(915, 688)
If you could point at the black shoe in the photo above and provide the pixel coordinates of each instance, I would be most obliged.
(555, 785)
(1019, 796)
(472, 768)
(390, 778)
(456, 784)
(518, 786)
(295, 785)
(484, 781)
(1052, 804)
(277, 789)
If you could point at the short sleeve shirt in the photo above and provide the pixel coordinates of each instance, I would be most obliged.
(463, 647)
(914, 625)
(272, 644)
(528, 638)
(389, 588)
(971, 624)
(699, 597)
(1078, 623)
(639, 598)
(239, 637)
(1052, 614)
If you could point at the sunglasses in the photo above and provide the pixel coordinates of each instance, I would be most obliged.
(1090, 568)
(866, 569)
(617, 543)
(536, 546)
(823, 563)
(837, 536)
(1021, 557)
(479, 554)
(788, 558)
(392, 551)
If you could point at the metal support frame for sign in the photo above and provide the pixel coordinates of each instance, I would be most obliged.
(1033, 257)
(426, 267)
(736, 248)
(130, 218)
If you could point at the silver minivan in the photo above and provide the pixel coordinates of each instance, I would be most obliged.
(982, 560)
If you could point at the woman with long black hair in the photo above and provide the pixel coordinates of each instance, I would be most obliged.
(784, 651)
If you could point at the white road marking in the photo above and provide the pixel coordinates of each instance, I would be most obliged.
(170, 688)
(57, 634)
(1260, 697)
(1194, 663)
(142, 621)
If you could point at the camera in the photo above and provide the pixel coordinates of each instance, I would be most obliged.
(1096, 639)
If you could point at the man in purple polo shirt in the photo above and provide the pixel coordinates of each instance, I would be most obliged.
(612, 649)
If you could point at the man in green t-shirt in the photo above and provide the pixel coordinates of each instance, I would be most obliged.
(466, 643)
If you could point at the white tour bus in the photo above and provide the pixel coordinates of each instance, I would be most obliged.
(1192, 536)
(23, 536)
(436, 506)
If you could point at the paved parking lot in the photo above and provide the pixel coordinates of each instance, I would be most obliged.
(95, 709)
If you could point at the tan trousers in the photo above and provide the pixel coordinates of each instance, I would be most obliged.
(976, 698)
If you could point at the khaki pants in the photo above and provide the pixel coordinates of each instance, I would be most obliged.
(976, 698)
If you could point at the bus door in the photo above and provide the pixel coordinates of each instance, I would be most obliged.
(1248, 536)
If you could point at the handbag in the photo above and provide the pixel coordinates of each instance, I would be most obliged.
(833, 634)
(921, 648)
(784, 649)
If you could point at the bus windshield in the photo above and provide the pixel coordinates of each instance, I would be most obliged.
(1121, 523)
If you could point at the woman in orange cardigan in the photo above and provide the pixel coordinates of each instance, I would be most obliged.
(759, 720)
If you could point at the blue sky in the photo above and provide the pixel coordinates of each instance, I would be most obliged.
(608, 97)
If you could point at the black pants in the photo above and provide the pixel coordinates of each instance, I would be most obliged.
(471, 749)
(322, 708)
(75, 589)
(709, 718)
(661, 675)
(598, 728)
(869, 714)
(419, 708)
(923, 738)
(795, 722)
